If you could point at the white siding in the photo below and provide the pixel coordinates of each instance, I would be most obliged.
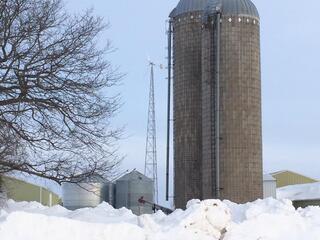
(269, 189)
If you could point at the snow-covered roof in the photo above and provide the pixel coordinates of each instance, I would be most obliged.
(309, 191)
(284, 171)
(37, 181)
(268, 177)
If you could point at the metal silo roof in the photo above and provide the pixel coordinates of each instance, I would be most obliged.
(268, 177)
(185, 6)
(91, 179)
(239, 7)
(229, 7)
(134, 175)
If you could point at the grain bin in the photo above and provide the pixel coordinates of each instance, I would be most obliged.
(130, 188)
(110, 193)
(88, 193)
(217, 100)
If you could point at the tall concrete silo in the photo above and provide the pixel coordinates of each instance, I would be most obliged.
(217, 100)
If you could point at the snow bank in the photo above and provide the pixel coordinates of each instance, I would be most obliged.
(300, 192)
(27, 226)
(104, 213)
(267, 219)
(272, 219)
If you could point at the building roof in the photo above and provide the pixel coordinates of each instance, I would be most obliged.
(134, 175)
(309, 191)
(185, 6)
(239, 7)
(268, 177)
(95, 178)
(228, 7)
(35, 181)
(292, 172)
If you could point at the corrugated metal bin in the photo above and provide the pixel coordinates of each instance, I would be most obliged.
(130, 188)
(85, 194)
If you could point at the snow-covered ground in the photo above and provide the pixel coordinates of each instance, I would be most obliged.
(300, 192)
(267, 219)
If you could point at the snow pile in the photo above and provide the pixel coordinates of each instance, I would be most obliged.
(271, 219)
(104, 213)
(20, 225)
(300, 192)
(267, 219)
(202, 220)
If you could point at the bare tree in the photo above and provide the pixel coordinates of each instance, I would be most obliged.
(55, 110)
(3, 196)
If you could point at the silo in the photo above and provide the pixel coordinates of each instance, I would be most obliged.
(130, 188)
(217, 100)
(89, 193)
(110, 193)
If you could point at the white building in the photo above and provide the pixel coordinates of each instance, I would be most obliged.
(269, 186)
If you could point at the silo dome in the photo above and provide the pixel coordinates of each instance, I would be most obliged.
(228, 7)
(186, 6)
(236, 7)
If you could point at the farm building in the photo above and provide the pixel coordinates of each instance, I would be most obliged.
(287, 178)
(301, 195)
(19, 190)
(269, 186)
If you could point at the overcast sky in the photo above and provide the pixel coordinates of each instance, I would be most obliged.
(290, 44)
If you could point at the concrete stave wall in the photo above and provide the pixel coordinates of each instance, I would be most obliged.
(187, 107)
(240, 89)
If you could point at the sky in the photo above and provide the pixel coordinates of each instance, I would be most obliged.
(290, 52)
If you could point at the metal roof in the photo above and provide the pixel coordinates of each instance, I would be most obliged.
(239, 7)
(292, 172)
(228, 7)
(95, 178)
(134, 175)
(185, 6)
(268, 177)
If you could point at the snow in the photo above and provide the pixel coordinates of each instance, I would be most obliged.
(267, 219)
(308, 191)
